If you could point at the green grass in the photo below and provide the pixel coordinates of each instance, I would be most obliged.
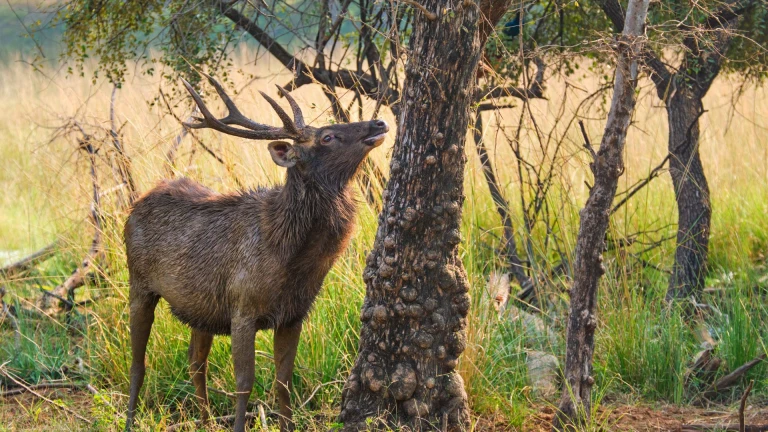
(642, 348)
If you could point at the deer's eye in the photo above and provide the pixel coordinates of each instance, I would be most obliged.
(327, 138)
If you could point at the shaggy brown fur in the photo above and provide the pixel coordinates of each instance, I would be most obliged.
(239, 263)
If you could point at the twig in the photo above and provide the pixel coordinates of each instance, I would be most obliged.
(649, 264)
(587, 143)
(653, 174)
(263, 417)
(54, 403)
(220, 420)
(318, 388)
(14, 323)
(490, 106)
(217, 391)
(430, 16)
(743, 404)
(124, 162)
(722, 428)
(88, 265)
(515, 265)
(58, 297)
(41, 386)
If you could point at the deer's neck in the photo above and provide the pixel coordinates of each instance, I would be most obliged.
(307, 214)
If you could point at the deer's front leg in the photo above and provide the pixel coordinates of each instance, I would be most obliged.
(286, 342)
(243, 336)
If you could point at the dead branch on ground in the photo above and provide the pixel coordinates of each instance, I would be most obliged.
(30, 389)
(728, 380)
(722, 428)
(29, 261)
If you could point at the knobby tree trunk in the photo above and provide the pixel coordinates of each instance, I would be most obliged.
(575, 403)
(414, 313)
(692, 194)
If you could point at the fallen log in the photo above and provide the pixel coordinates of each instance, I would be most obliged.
(29, 261)
(728, 380)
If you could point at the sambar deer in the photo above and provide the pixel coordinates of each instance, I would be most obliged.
(247, 261)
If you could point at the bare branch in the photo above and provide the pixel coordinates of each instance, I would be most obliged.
(653, 174)
(29, 261)
(729, 380)
(429, 15)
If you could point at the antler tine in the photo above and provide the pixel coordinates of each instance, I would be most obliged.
(202, 122)
(287, 121)
(234, 116)
(210, 121)
(298, 117)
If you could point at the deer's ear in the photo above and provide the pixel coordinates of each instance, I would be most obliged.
(282, 153)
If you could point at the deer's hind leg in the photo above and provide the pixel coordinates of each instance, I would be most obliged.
(142, 304)
(199, 347)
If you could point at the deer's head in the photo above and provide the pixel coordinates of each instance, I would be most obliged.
(329, 152)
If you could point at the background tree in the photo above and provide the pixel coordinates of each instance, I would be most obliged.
(706, 37)
(608, 165)
(203, 35)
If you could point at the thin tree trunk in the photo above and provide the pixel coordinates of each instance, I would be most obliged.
(683, 93)
(575, 403)
(414, 314)
(692, 194)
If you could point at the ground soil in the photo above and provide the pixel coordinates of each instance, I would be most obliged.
(643, 418)
(26, 412)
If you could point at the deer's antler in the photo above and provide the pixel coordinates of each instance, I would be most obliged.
(292, 128)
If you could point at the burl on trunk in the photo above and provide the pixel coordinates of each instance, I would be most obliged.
(414, 314)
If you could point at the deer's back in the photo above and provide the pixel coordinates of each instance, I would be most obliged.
(190, 245)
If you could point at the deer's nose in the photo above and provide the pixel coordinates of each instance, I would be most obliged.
(381, 124)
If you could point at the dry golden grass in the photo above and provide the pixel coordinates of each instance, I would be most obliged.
(46, 195)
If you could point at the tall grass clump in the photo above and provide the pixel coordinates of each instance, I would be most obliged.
(646, 346)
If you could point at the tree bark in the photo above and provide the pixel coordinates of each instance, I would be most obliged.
(692, 194)
(683, 93)
(414, 313)
(575, 403)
